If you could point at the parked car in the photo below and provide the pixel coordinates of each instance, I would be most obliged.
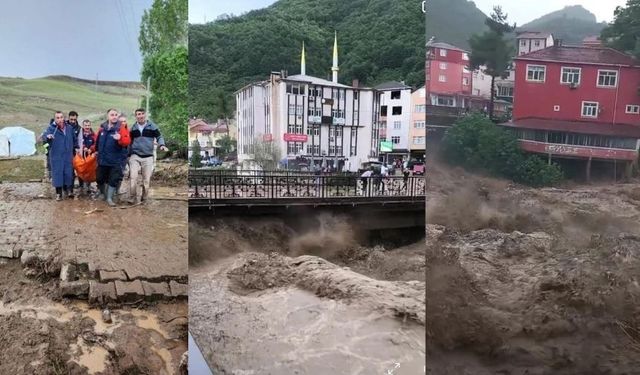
(418, 169)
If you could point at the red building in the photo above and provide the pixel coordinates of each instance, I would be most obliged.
(449, 82)
(579, 103)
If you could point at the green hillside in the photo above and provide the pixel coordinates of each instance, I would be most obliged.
(31, 102)
(378, 40)
(571, 24)
(454, 21)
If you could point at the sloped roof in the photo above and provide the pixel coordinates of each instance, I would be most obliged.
(533, 35)
(392, 85)
(582, 55)
(314, 80)
(580, 127)
(445, 46)
(200, 126)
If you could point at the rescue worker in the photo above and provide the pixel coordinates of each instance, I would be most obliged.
(109, 146)
(62, 142)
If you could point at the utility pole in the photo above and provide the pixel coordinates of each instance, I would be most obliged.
(148, 94)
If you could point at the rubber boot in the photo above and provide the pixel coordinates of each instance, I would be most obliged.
(100, 194)
(110, 191)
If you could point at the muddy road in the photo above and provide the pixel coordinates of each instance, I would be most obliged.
(103, 250)
(267, 297)
(43, 334)
(531, 281)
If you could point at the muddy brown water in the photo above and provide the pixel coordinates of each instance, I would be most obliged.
(250, 314)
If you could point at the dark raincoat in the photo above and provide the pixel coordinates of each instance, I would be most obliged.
(61, 151)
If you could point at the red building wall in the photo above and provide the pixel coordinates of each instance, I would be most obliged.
(454, 74)
(532, 99)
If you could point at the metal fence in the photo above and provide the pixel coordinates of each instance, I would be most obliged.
(281, 185)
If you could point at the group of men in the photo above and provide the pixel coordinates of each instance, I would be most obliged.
(117, 149)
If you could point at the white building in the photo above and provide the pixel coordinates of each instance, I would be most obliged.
(395, 116)
(325, 122)
(529, 41)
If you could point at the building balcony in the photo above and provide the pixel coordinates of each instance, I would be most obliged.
(579, 152)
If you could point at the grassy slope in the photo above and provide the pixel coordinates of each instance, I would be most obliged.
(31, 102)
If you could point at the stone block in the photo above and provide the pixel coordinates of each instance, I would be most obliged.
(29, 258)
(102, 293)
(106, 276)
(179, 290)
(129, 291)
(78, 288)
(8, 251)
(156, 291)
(68, 272)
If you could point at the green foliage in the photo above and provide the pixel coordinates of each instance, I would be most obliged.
(163, 41)
(623, 33)
(226, 145)
(163, 27)
(266, 155)
(571, 24)
(476, 143)
(168, 103)
(454, 21)
(196, 158)
(378, 40)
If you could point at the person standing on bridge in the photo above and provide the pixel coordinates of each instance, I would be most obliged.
(144, 134)
(62, 142)
(109, 146)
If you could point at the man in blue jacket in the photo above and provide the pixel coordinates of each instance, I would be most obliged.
(62, 140)
(144, 134)
(109, 148)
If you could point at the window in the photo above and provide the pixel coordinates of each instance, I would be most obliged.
(418, 140)
(443, 52)
(313, 130)
(445, 101)
(607, 78)
(335, 132)
(589, 109)
(395, 140)
(294, 147)
(536, 43)
(337, 113)
(443, 65)
(315, 92)
(465, 56)
(421, 108)
(396, 111)
(633, 109)
(383, 110)
(295, 89)
(523, 43)
(355, 95)
(570, 75)
(315, 112)
(442, 78)
(395, 94)
(397, 125)
(465, 69)
(465, 81)
(313, 149)
(535, 73)
(505, 91)
(419, 124)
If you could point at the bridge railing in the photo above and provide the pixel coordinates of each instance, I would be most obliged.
(278, 185)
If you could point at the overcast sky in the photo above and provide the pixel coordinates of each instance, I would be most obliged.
(71, 37)
(519, 11)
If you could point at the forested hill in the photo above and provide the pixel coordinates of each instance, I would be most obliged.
(454, 21)
(571, 24)
(378, 40)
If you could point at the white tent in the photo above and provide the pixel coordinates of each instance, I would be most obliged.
(17, 141)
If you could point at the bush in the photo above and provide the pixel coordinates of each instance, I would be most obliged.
(476, 143)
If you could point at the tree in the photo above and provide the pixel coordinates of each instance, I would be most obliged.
(492, 51)
(226, 144)
(196, 158)
(266, 154)
(163, 27)
(476, 143)
(623, 33)
(163, 44)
